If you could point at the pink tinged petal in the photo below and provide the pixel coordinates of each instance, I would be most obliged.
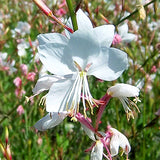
(123, 90)
(44, 83)
(97, 151)
(50, 120)
(55, 61)
(109, 64)
(104, 34)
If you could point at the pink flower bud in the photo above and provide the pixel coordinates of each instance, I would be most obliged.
(117, 39)
(24, 68)
(20, 110)
(19, 92)
(9, 152)
(43, 7)
(31, 76)
(154, 69)
(6, 135)
(39, 141)
(18, 82)
(60, 12)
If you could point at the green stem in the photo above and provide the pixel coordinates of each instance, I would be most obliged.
(73, 15)
(123, 19)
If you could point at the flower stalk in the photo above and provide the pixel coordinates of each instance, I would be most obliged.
(49, 13)
(73, 15)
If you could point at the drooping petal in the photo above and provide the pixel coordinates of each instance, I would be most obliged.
(123, 90)
(50, 120)
(88, 132)
(119, 140)
(114, 145)
(53, 58)
(109, 64)
(104, 34)
(83, 22)
(97, 151)
(44, 83)
(52, 38)
(82, 45)
(56, 99)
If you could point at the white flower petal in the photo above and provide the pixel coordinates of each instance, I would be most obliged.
(50, 120)
(114, 145)
(104, 34)
(82, 45)
(97, 151)
(123, 90)
(123, 29)
(44, 83)
(83, 22)
(53, 58)
(109, 64)
(129, 37)
(88, 132)
(56, 97)
(52, 38)
(118, 140)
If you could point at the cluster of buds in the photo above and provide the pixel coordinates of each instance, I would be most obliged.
(6, 147)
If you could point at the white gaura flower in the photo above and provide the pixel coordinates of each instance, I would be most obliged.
(122, 91)
(85, 52)
(22, 48)
(125, 36)
(118, 140)
(23, 28)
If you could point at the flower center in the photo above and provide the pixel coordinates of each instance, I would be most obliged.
(79, 90)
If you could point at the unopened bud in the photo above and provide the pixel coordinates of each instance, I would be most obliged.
(6, 135)
(142, 12)
(9, 152)
(104, 18)
(3, 150)
(43, 7)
